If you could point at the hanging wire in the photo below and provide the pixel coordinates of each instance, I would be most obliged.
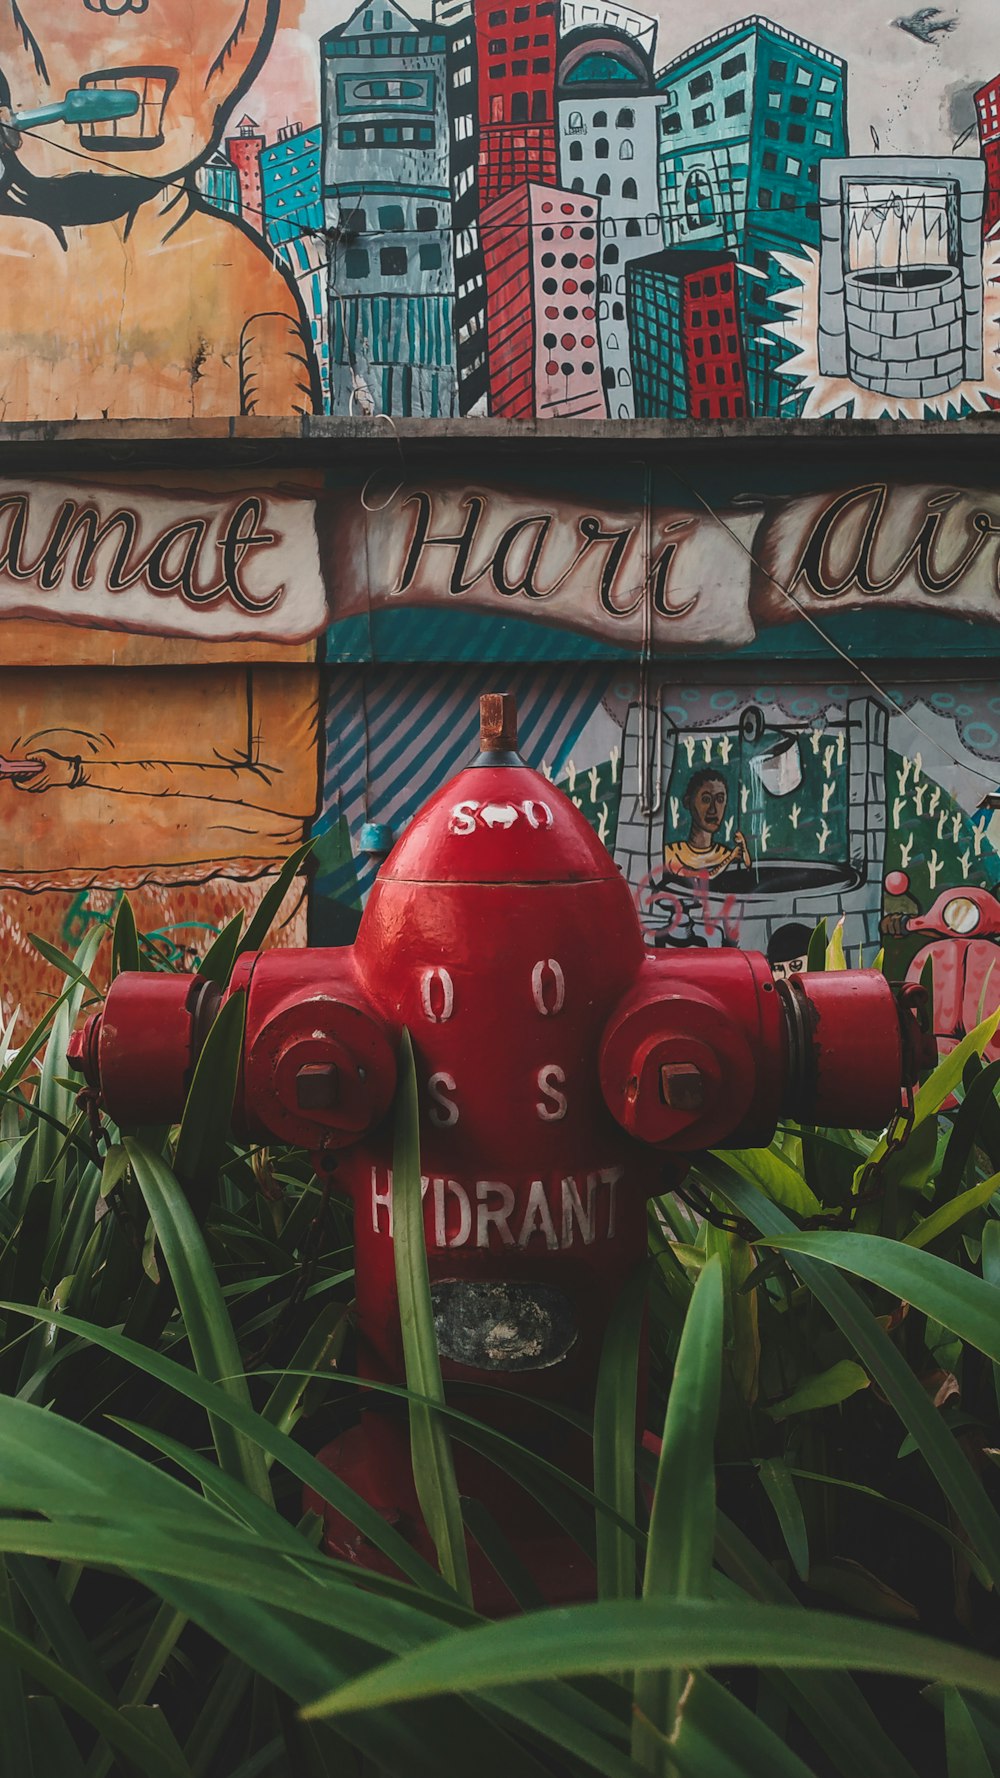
(825, 638)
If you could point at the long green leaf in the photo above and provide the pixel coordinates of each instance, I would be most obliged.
(719, 1737)
(782, 1183)
(13, 1703)
(125, 954)
(132, 1741)
(778, 1484)
(832, 1705)
(208, 1110)
(888, 1368)
(977, 1110)
(958, 1545)
(65, 965)
(52, 1742)
(217, 963)
(967, 1756)
(947, 1215)
(615, 1439)
(58, 1623)
(317, 1355)
(270, 902)
(963, 1303)
(430, 1448)
(650, 1635)
(218, 1402)
(823, 1390)
(943, 1080)
(682, 1526)
(206, 1319)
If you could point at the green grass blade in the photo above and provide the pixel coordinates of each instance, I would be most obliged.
(682, 1525)
(125, 953)
(720, 1738)
(943, 1080)
(56, 1753)
(58, 1623)
(976, 1112)
(650, 1635)
(52, 1098)
(835, 958)
(946, 1216)
(965, 1304)
(65, 965)
(14, 1723)
(486, 1533)
(204, 1129)
(615, 1439)
(779, 1486)
(210, 1333)
(958, 1545)
(26, 1052)
(430, 1448)
(223, 1700)
(316, 1356)
(132, 1741)
(832, 1705)
(217, 963)
(825, 1389)
(967, 1757)
(270, 902)
(818, 943)
(782, 1183)
(218, 1402)
(883, 1362)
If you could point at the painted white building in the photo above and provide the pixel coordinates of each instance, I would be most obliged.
(608, 144)
(590, 15)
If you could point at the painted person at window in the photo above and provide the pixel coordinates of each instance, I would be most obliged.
(788, 950)
(703, 853)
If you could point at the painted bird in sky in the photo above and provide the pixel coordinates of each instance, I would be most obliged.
(922, 24)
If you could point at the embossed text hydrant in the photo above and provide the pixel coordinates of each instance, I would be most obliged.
(561, 1065)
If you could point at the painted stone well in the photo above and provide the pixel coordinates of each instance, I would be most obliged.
(901, 283)
(809, 800)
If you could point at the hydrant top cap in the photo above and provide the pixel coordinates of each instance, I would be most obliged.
(501, 823)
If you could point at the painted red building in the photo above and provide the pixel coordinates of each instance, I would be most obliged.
(686, 344)
(988, 119)
(516, 69)
(244, 150)
(540, 252)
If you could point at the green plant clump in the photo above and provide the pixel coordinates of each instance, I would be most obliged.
(796, 1578)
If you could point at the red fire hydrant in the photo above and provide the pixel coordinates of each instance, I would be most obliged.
(562, 1067)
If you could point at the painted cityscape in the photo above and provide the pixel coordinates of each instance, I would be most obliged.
(544, 209)
(512, 209)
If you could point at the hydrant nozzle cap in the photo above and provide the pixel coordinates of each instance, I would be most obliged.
(498, 722)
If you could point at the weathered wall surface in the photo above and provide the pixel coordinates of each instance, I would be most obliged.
(551, 209)
(160, 709)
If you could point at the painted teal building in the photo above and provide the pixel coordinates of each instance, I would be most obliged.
(749, 115)
(387, 199)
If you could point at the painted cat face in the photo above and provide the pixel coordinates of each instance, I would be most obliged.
(188, 61)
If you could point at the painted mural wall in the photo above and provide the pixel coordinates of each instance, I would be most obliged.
(160, 701)
(556, 209)
(197, 678)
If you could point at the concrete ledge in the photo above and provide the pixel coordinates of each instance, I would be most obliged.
(340, 444)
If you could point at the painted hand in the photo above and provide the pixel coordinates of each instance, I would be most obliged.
(892, 925)
(60, 771)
